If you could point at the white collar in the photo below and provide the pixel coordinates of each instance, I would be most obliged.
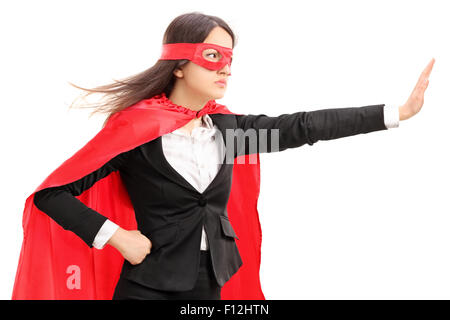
(204, 131)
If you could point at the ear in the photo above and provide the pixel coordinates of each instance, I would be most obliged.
(178, 73)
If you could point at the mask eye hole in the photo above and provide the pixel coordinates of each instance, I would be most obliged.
(211, 55)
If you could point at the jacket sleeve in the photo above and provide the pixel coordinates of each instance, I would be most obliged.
(60, 204)
(261, 133)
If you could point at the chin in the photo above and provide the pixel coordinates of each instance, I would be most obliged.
(218, 95)
(214, 94)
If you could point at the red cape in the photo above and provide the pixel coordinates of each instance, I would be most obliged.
(49, 252)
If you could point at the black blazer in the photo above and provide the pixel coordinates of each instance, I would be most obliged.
(171, 212)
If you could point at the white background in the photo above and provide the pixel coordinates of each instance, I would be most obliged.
(362, 217)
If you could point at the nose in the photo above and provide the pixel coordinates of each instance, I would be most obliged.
(226, 69)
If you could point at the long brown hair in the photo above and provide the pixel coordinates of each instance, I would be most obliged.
(191, 27)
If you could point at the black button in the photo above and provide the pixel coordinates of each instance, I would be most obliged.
(202, 201)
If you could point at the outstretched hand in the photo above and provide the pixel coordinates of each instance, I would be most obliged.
(415, 100)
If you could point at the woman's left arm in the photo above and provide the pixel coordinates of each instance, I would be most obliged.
(261, 133)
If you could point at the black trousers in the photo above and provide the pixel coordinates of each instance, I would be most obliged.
(206, 287)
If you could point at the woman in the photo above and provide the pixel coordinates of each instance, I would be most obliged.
(179, 181)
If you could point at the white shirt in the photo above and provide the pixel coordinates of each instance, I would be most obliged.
(198, 157)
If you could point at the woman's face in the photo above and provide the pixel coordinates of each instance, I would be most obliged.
(201, 81)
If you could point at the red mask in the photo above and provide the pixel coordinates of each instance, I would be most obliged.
(208, 55)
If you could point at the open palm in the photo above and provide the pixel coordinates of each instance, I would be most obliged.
(416, 99)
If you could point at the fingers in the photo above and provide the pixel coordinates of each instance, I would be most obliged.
(423, 81)
(149, 248)
(425, 85)
(426, 73)
(428, 68)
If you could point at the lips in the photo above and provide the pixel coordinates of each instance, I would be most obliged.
(224, 82)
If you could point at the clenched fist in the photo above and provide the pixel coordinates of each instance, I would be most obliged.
(132, 244)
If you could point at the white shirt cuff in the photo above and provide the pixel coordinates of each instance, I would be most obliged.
(104, 234)
(391, 116)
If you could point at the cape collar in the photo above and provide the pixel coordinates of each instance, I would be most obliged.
(162, 99)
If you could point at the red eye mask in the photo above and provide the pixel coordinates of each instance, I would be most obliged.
(207, 55)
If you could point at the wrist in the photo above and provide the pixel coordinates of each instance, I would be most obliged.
(402, 114)
(116, 239)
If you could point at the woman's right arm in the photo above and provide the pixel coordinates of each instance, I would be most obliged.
(60, 204)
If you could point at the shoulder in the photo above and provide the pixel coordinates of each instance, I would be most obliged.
(224, 120)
